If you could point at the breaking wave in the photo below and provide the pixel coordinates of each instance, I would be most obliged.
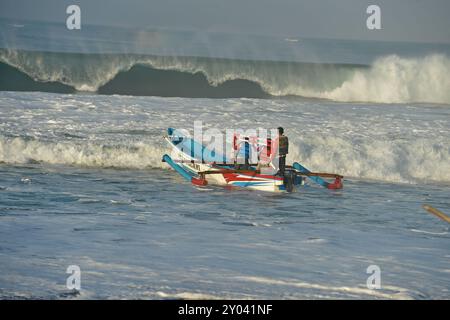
(26, 150)
(400, 162)
(390, 79)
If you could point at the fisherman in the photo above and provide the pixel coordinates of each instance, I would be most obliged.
(283, 148)
(245, 151)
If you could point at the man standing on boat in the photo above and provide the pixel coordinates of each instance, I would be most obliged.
(283, 149)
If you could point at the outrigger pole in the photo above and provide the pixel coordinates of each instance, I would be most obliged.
(316, 177)
(300, 170)
(306, 174)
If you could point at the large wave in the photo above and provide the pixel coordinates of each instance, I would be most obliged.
(390, 79)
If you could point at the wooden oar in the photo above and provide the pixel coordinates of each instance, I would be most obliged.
(436, 212)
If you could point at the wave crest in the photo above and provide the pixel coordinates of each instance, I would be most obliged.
(394, 79)
(390, 79)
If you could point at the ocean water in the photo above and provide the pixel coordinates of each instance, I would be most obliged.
(82, 183)
(82, 119)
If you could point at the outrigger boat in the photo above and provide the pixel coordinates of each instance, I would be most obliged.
(201, 166)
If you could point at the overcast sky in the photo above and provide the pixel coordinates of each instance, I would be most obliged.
(402, 20)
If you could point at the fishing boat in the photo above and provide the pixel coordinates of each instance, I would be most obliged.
(202, 166)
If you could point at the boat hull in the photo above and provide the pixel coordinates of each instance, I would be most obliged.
(192, 165)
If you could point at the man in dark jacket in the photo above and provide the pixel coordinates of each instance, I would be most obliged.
(283, 149)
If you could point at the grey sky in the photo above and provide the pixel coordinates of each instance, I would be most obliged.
(402, 20)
